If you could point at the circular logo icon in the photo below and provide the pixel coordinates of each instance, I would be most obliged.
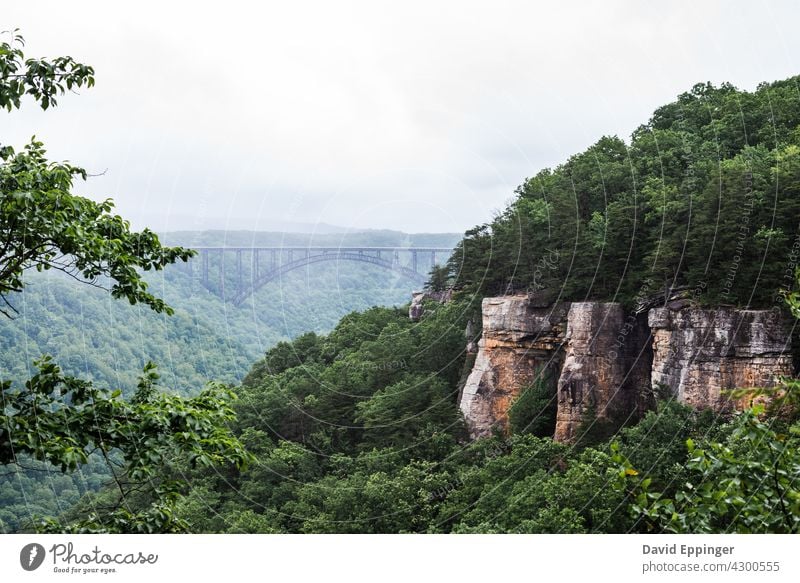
(31, 556)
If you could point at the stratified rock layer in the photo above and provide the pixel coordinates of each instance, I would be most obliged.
(697, 354)
(519, 342)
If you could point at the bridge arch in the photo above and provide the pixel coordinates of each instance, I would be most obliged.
(256, 283)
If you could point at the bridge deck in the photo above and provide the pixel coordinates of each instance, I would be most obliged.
(257, 265)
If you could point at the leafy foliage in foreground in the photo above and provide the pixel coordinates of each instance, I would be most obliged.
(42, 224)
(44, 80)
(61, 419)
(44, 227)
(748, 483)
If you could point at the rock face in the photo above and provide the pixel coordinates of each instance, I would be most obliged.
(416, 309)
(699, 353)
(605, 367)
(518, 342)
(608, 362)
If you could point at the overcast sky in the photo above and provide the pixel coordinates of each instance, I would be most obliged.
(419, 116)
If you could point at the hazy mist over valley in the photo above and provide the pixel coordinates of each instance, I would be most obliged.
(207, 338)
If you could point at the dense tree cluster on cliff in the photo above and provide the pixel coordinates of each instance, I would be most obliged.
(704, 198)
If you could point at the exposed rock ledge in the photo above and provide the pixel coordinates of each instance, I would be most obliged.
(606, 361)
(518, 342)
(697, 353)
(416, 309)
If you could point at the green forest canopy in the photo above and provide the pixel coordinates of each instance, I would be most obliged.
(705, 197)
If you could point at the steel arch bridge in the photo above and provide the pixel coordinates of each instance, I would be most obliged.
(254, 267)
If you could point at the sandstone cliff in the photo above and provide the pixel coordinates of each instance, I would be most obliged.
(518, 342)
(608, 363)
(699, 353)
(605, 368)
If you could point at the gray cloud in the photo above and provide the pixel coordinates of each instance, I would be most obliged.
(421, 116)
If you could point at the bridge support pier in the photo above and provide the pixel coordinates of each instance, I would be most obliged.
(204, 267)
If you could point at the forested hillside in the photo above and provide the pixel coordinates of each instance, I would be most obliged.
(96, 338)
(358, 430)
